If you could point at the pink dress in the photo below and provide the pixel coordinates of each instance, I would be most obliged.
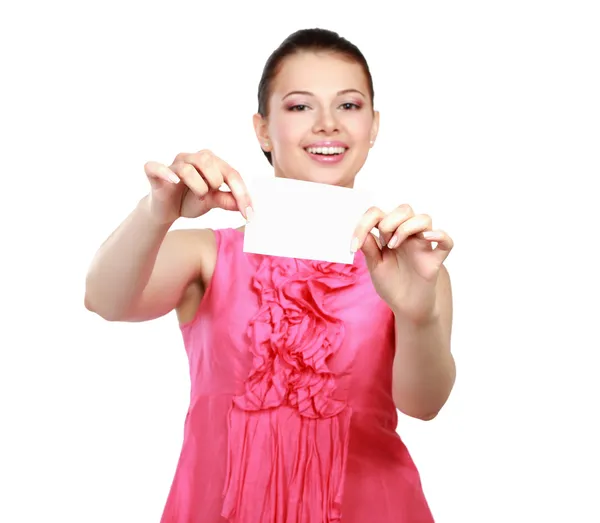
(291, 418)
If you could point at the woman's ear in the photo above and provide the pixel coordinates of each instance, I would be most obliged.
(374, 127)
(261, 130)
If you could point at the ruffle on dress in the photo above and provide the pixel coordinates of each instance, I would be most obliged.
(288, 433)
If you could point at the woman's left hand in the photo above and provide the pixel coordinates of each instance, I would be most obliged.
(403, 264)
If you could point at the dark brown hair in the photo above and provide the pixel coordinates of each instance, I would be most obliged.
(307, 40)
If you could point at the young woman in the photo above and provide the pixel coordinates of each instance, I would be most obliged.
(297, 367)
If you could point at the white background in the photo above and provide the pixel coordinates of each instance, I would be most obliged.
(490, 123)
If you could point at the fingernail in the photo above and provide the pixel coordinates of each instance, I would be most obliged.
(354, 245)
(393, 242)
(249, 213)
(173, 178)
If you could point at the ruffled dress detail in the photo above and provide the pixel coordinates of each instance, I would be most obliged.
(291, 417)
(288, 431)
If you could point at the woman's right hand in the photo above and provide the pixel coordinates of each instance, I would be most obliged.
(189, 187)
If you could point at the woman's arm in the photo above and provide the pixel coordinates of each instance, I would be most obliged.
(141, 271)
(424, 371)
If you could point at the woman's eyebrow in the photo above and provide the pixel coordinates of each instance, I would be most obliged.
(308, 93)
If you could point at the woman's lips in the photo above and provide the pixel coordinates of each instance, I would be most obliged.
(327, 159)
(327, 152)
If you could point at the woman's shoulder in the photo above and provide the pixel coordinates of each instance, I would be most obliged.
(205, 243)
(202, 244)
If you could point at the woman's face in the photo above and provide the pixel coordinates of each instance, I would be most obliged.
(321, 123)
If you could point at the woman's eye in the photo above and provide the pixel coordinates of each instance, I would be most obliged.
(349, 106)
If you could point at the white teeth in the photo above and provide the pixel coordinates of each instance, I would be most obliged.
(326, 150)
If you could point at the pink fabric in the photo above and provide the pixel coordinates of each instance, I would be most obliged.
(291, 418)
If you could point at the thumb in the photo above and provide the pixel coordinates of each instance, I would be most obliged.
(372, 252)
(223, 200)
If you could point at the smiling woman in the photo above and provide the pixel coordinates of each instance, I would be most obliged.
(316, 119)
(297, 367)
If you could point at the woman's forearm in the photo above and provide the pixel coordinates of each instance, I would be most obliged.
(123, 264)
(423, 369)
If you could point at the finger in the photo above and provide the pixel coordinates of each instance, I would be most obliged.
(240, 192)
(229, 176)
(238, 188)
(444, 243)
(412, 226)
(372, 251)
(159, 171)
(207, 166)
(366, 224)
(191, 177)
(393, 220)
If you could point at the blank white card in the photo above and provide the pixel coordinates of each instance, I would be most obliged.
(299, 219)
